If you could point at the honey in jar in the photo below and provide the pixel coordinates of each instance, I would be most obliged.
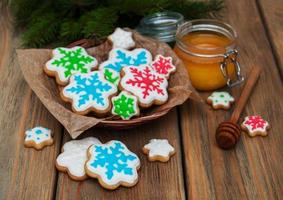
(207, 48)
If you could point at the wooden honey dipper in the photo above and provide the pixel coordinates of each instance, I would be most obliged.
(228, 133)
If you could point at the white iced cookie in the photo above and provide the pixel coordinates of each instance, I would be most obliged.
(119, 58)
(122, 39)
(73, 157)
(89, 92)
(159, 150)
(220, 100)
(68, 61)
(163, 65)
(112, 164)
(255, 125)
(145, 83)
(38, 137)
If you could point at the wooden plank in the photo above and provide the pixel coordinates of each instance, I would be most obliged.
(156, 180)
(25, 173)
(272, 13)
(253, 170)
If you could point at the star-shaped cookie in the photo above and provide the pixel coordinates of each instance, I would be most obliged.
(38, 137)
(220, 100)
(158, 150)
(255, 125)
(122, 39)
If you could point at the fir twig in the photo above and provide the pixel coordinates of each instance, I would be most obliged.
(63, 21)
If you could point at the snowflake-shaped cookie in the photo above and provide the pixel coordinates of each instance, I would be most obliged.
(38, 137)
(146, 84)
(113, 164)
(68, 61)
(163, 65)
(122, 39)
(111, 76)
(89, 92)
(125, 105)
(73, 157)
(158, 150)
(220, 100)
(255, 125)
(119, 58)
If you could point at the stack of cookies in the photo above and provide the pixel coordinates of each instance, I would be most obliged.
(128, 80)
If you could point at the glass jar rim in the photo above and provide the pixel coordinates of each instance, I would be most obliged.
(161, 25)
(155, 20)
(205, 25)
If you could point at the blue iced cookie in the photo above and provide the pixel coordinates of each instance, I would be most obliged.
(112, 164)
(89, 92)
(119, 58)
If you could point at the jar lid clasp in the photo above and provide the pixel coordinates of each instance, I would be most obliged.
(231, 56)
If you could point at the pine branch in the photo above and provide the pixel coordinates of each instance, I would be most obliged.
(23, 8)
(197, 9)
(41, 31)
(64, 21)
(71, 30)
(100, 22)
(139, 7)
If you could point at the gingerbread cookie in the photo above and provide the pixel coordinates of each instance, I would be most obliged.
(220, 100)
(125, 105)
(255, 125)
(38, 137)
(68, 61)
(163, 65)
(111, 76)
(149, 86)
(119, 58)
(112, 164)
(89, 92)
(73, 157)
(122, 39)
(158, 150)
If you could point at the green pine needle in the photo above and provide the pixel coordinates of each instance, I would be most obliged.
(54, 22)
(41, 31)
(71, 30)
(100, 22)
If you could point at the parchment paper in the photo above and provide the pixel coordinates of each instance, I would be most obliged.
(32, 61)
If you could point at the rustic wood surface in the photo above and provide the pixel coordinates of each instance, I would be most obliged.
(25, 173)
(253, 170)
(199, 170)
(271, 12)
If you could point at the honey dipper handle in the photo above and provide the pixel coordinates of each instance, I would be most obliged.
(251, 80)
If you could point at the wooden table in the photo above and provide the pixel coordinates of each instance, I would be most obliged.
(199, 170)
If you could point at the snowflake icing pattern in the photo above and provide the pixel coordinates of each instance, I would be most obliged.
(69, 61)
(145, 83)
(89, 91)
(111, 76)
(125, 105)
(113, 162)
(256, 122)
(163, 65)
(119, 58)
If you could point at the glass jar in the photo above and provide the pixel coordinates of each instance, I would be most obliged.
(161, 26)
(208, 49)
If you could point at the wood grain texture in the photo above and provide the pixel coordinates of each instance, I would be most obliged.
(253, 170)
(272, 14)
(25, 173)
(156, 180)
